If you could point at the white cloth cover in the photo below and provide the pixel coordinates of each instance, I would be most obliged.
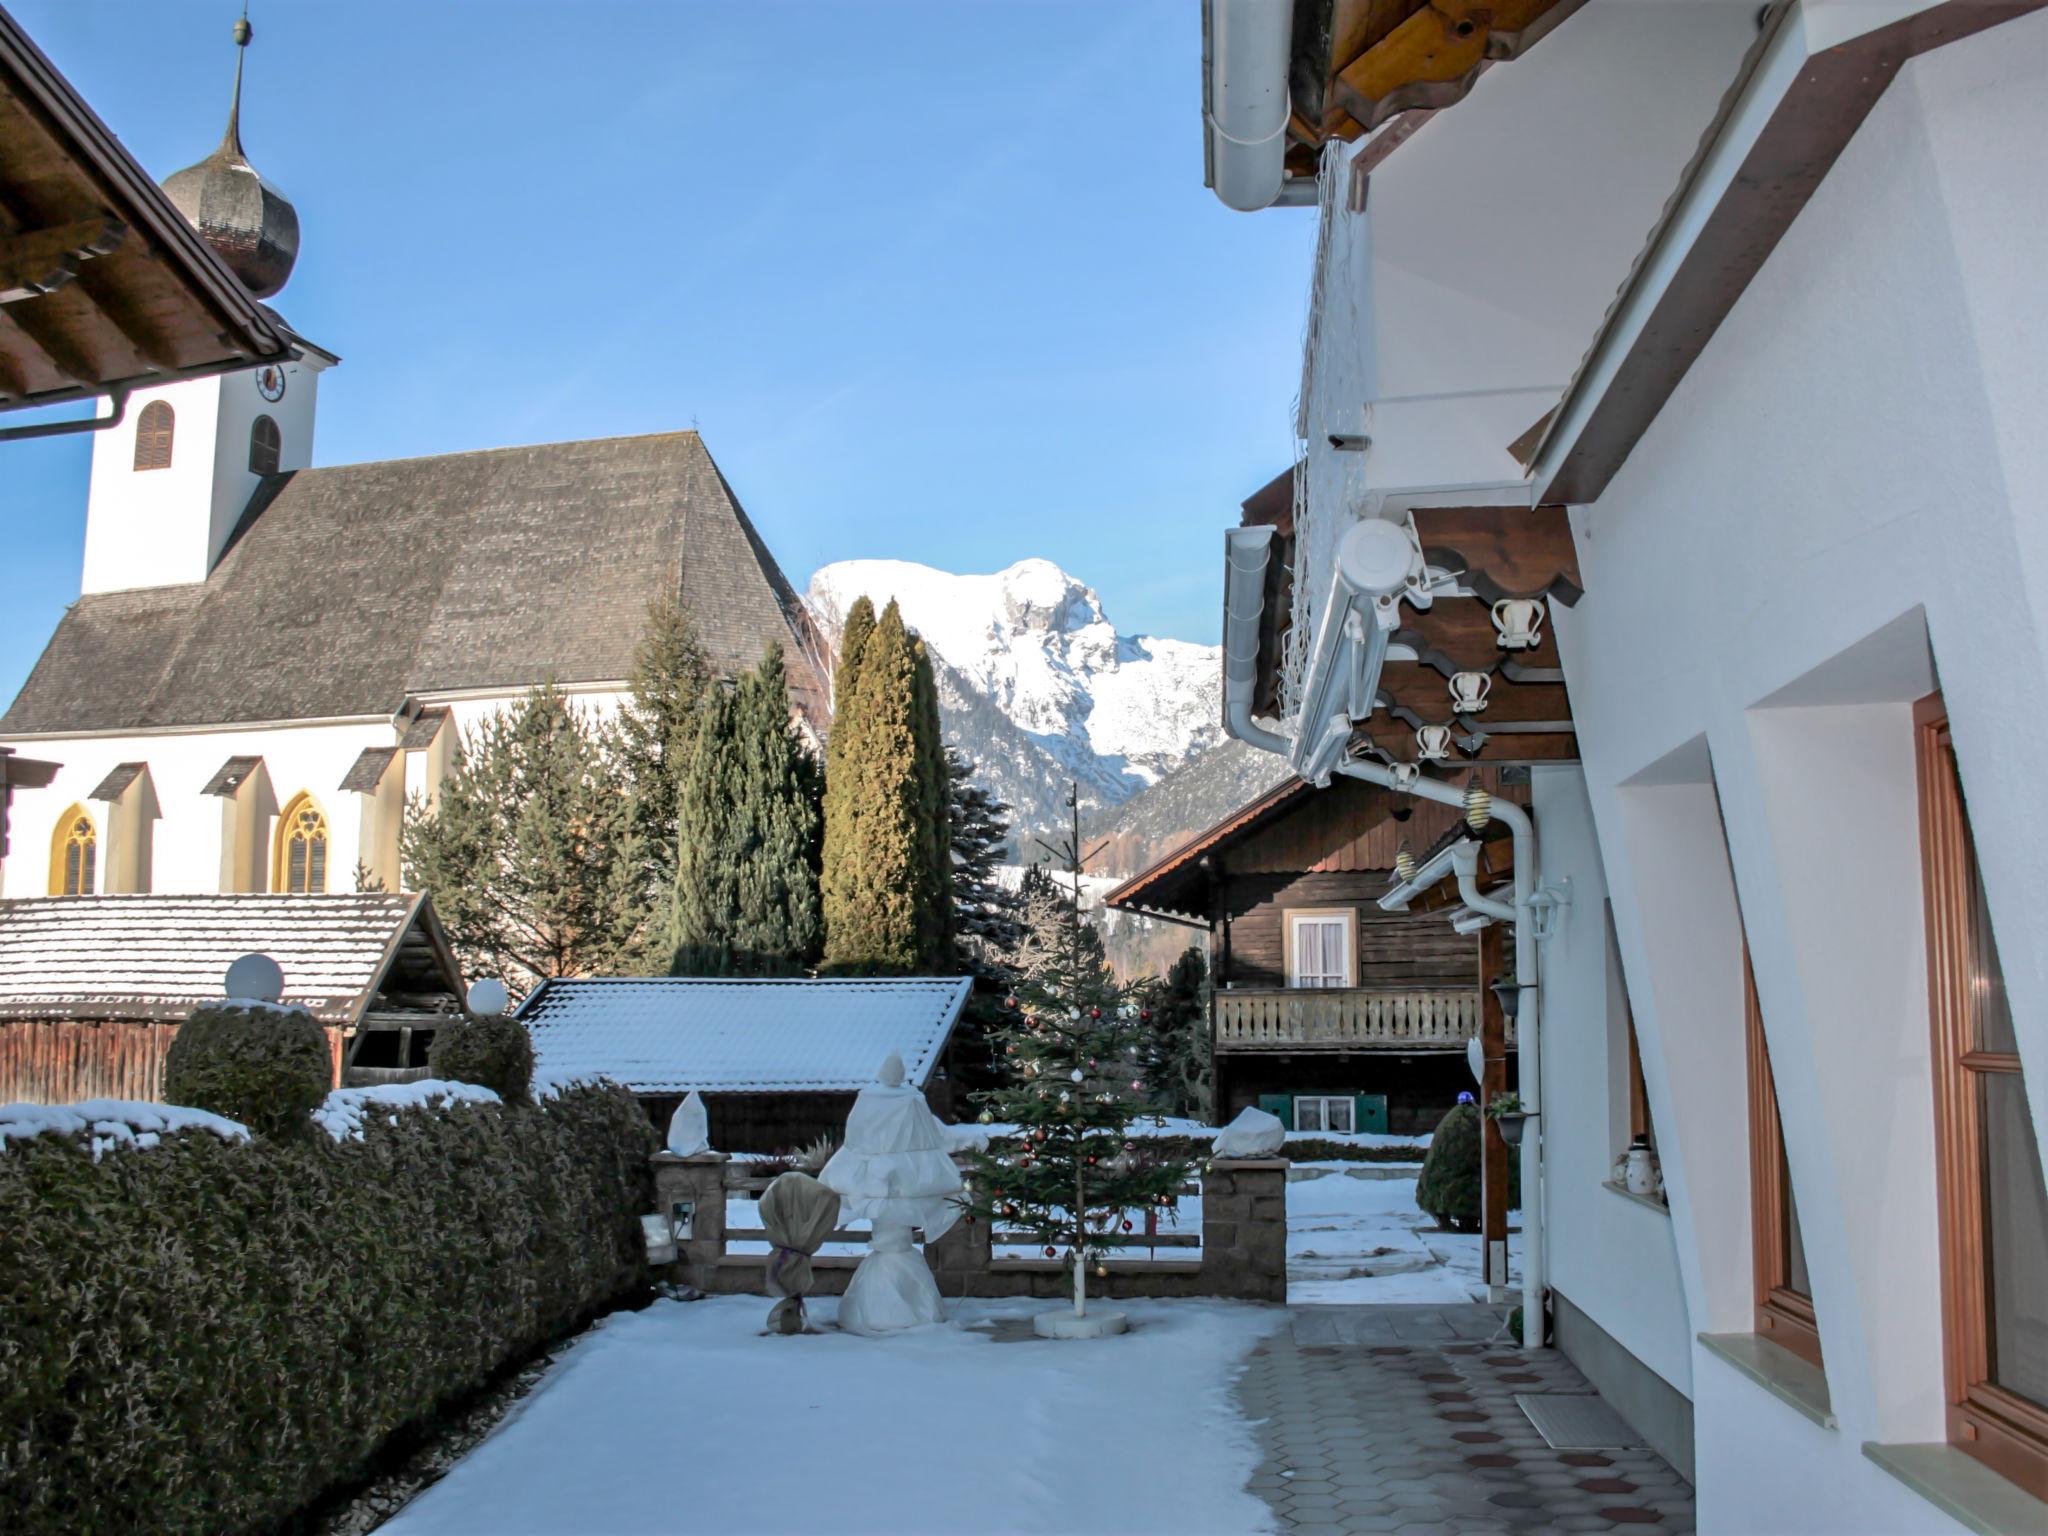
(894, 1172)
(689, 1128)
(892, 1289)
(1254, 1133)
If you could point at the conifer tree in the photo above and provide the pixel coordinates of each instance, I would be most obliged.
(875, 881)
(746, 900)
(1074, 1178)
(985, 911)
(842, 751)
(1176, 1047)
(655, 734)
(935, 820)
(530, 853)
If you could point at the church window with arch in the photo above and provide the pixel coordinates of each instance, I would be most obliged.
(74, 854)
(266, 446)
(299, 865)
(153, 432)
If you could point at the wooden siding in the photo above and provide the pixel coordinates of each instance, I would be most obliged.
(1346, 827)
(1394, 948)
(63, 1061)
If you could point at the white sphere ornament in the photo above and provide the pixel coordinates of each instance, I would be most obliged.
(255, 979)
(487, 996)
(1075, 1074)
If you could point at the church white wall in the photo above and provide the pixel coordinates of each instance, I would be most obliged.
(1846, 499)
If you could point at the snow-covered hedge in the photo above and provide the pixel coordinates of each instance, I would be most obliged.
(199, 1331)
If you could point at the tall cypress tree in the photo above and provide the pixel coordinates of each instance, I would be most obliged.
(876, 878)
(746, 899)
(842, 750)
(935, 821)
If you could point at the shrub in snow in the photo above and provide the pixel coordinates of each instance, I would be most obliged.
(493, 1051)
(1449, 1188)
(203, 1336)
(266, 1066)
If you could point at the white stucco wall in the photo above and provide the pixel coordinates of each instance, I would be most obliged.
(207, 843)
(1847, 494)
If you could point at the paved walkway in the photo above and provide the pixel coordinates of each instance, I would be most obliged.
(1403, 1419)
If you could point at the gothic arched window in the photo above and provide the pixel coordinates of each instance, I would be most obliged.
(74, 853)
(299, 865)
(266, 443)
(153, 431)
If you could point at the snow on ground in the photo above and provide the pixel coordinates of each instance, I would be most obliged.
(1356, 1238)
(685, 1417)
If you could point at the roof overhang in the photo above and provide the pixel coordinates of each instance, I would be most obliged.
(104, 287)
(1801, 94)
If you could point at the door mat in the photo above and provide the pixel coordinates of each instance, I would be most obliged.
(1576, 1422)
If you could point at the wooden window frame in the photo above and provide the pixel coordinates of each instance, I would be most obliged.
(62, 839)
(270, 447)
(1783, 1315)
(2004, 1431)
(156, 436)
(1350, 1101)
(1288, 915)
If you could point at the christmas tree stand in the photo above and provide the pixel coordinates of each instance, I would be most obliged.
(1077, 1322)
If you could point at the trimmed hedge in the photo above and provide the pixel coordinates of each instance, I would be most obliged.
(266, 1066)
(203, 1335)
(491, 1050)
(1450, 1188)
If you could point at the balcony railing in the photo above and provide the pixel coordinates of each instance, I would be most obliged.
(1348, 1018)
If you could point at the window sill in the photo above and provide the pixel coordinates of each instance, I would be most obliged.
(1778, 1371)
(1962, 1488)
(1659, 1206)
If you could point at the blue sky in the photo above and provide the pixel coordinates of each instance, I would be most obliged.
(937, 281)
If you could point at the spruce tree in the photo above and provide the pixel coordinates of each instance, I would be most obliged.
(875, 879)
(530, 853)
(1074, 1179)
(746, 899)
(1176, 1046)
(985, 911)
(934, 813)
(655, 734)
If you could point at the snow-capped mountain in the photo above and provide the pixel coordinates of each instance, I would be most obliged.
(1037, 686)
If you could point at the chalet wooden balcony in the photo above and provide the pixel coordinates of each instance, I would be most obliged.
(1348, 1019)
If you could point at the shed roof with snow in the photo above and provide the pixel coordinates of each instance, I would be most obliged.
(156, 956)
(677, 1034)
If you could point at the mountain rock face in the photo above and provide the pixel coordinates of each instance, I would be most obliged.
(1037, 687)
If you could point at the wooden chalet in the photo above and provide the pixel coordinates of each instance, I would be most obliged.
(1328, 1011)
(93, 988)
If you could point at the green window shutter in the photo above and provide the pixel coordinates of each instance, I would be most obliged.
(1281, 1104)
(1370, 1112)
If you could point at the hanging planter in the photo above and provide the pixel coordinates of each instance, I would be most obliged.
(1507, 1112)
(1509, 991)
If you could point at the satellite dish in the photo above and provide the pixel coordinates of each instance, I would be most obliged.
(488, 996)
(255, 979)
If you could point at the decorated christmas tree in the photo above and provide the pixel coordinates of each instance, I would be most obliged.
(1071, 1039)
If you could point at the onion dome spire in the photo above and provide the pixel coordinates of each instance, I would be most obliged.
(249, 223)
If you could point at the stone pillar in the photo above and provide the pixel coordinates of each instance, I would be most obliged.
(1244, 1229)
(700, 1180)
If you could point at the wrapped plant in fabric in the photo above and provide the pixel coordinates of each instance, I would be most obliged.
(264, 1065)
(492, 1050)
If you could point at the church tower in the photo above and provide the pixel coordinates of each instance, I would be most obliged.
(170, 484)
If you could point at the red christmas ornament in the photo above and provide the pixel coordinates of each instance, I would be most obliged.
(1038, 1135)
(1010, 1002)
(1091, 1162)
(1052, 1253)
(1144, 1013)
(1094, 1013)
(1127, 1226)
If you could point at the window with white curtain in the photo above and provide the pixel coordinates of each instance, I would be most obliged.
(1324, 1113)
(1319, 949)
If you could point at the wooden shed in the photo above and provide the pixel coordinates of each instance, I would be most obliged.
(778, 1061)
(93, 988)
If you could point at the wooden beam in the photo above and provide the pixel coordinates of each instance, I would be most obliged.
(1504, 551)
(33, 262)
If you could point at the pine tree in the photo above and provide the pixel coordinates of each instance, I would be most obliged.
(853, 638)
(1074, 1179)
(530, 853)
(935, 821)
(1176, 1048)
(985, 911)
(655, 734)
(875, 880)
(746, 899)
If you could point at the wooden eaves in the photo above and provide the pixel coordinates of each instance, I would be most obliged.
(104, 287)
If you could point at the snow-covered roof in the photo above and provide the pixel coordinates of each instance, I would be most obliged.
(675, 1034)
(129, 957)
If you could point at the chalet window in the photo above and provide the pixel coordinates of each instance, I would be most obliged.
(1322, 1113)
(74, 854)
(1994, 1207)
(266, 445)
(153, 432)
(1784, 1293)
(1319, 946)
(300, 865)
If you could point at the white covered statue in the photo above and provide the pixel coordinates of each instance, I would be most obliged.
(689, 1128)
(895, 1172)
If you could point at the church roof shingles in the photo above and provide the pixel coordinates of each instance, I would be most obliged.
(348, 589)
